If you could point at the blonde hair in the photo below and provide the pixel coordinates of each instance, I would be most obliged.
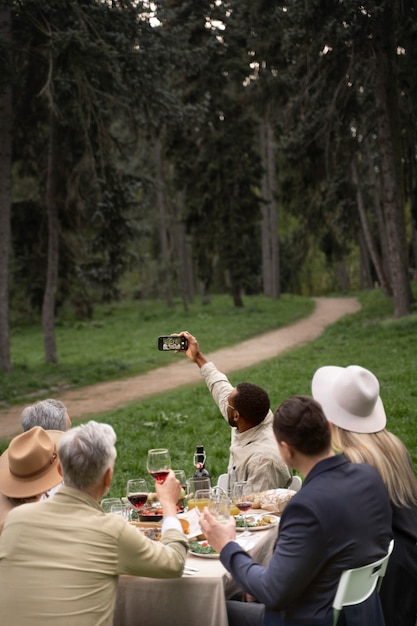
(387, 454)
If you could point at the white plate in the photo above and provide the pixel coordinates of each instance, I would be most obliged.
(245, 544)
(214, 555)
(263, 527)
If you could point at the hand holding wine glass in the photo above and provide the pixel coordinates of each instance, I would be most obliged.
(158, 463)
(240, 493)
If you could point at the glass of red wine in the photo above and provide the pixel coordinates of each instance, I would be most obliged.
(137, 492)
(240, 493)
(158, 464)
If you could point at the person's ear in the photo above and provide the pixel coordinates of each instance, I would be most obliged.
(108, 477)
(59, 467)
(287, 451)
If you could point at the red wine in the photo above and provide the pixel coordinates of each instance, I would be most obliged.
(244, 505)
(159, 475)
(137, 499)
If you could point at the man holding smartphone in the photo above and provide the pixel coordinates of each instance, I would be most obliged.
(254, 455)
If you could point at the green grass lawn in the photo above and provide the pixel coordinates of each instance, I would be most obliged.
(121, 340)
(188, 417)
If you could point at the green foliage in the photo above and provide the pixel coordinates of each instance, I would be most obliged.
(121, 340)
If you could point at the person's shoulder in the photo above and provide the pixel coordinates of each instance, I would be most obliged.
(363, 471)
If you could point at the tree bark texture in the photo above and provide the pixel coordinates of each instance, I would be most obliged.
(5, 197)
(391, 191)
(370, 242)
(163, 224)
(52, 209)
(270, 239)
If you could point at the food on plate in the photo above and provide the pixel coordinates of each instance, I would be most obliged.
(255, 522)
(185, 526)
(274, 500)
(152, 533)
(150, 512)
(153, 503)
(201, 547)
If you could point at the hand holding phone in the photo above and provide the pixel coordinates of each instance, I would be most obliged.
(172, 342)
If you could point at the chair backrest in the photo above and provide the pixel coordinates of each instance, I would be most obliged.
(223, 482)
(356, 585)
(296, 483)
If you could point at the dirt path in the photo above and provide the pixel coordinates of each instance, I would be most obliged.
(102, 397)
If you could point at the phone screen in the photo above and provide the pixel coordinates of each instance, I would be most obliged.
(172, 343)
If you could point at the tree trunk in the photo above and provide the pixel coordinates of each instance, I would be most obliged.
(391, 189)
(366, 281)
(370, 243)
(52, 201)
(163, 224)
(342, 274)
(375, 184)
(270, 240)
(6, 117)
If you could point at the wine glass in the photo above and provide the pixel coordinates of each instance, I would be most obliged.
(137, 492)
(158, 464)
(240, 493)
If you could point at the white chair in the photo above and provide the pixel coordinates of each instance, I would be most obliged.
(223, 482)
(296, 483)
(356, 585)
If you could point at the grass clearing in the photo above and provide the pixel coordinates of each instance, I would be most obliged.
(121, 340)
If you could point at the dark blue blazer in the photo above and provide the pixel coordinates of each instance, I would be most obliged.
(341, 518)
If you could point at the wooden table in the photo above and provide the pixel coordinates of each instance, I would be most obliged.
(192, 599)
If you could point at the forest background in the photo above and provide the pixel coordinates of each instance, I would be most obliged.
(177, 148)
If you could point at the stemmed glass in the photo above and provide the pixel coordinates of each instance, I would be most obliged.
(137, 492)
(159, 464)
(240, 493)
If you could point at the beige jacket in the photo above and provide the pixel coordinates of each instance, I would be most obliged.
(254, 454)
(5, 507)
(60, 560)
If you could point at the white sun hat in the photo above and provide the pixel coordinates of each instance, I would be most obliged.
(350, 398)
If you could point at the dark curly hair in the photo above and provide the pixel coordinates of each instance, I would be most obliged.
(300, 421)
(252, 402)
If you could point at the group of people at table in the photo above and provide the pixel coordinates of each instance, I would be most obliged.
(61, 556)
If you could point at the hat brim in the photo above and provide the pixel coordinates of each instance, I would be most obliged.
(14, 487)
(322, 390)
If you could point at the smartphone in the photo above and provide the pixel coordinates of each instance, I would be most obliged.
(169, 342)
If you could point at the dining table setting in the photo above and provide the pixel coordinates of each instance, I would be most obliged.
(199, 595)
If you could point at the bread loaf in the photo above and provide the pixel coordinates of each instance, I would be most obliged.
(274, 500)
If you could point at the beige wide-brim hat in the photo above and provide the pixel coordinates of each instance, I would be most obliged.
(350, 398)
(29, 466)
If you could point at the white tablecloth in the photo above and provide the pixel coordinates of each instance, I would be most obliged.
(190, 600)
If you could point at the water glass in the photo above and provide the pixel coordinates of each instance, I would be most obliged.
(194, 484)
(219, 505)
(200, 499)
(107, 503)
(121, 509)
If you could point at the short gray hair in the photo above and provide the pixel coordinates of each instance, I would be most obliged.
(49, 414)
(86, 453)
